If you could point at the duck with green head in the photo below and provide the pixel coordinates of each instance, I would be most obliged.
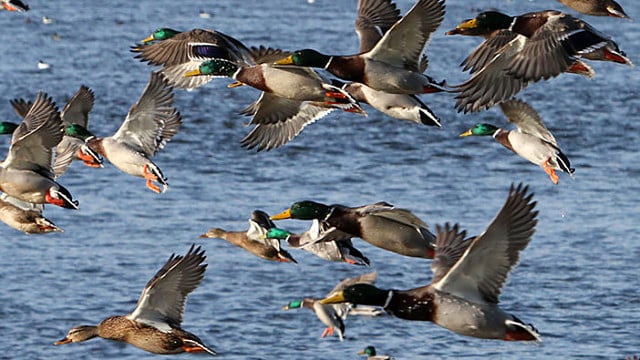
(532, 140)
(374, 19)
(155, 324)
(333, 315)
(26, 173)
(255, 239)
(328, 244)
(393, 64)
(149, 125)
(76, 111)
(291, 98)
(380, 224)
(467, 280)
(512, 57)
(371, 353)
(179, 52)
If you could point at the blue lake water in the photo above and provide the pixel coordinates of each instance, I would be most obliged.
(577, 281)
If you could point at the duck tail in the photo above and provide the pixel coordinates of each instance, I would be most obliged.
(47, 225)
(155, 170)
(516, 330)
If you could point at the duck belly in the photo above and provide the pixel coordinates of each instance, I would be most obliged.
(25, 185)
(293, 84)
(484, 321)
(125, 158)
(384, 77)
(532, 148)
(394, 236)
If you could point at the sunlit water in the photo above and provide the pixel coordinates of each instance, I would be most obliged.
(577, 281)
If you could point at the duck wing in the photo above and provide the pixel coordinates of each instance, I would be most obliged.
(450, 246)
(481, 271)
(369, 278)
(375, 18)
(267, 55)
(527, 119)
(493, 83)
(161, 303)
(78, 108)
(278, 120)
(152, 121)
(21, 107)
(485, 52)
(403, 45)
(33, 140)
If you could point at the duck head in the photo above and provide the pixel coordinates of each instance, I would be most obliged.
(483, 24)
(369, 351)
(59, 196)
(306, 57)
(360, 294)
(79, 334)
(161, 34)
(304, 210)
(216, 67)
(480, 129)
(78, 131)
(7, 128)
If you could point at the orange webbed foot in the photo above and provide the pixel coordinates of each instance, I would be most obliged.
(153, 187)
(551, 172)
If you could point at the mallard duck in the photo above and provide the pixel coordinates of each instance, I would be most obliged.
(320, 241)
(375, 18)
(76, 111)
(149, 125)
(280, 114)
(332, 316)
(379, 224)
(154, 325)
(468, 277)
(513, 57)
(596, 7)
(253, 240)
(14, 5)
(370, 351)
(483, 55)
(394, 64)
(26, 173)
(531, 141)
(179, 52)
(25, 217)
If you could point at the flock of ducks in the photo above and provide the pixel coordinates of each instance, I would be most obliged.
(387, 73)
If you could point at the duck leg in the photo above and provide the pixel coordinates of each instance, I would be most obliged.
(88, 159)
(327, 331)
(150, 178)
(550, 171)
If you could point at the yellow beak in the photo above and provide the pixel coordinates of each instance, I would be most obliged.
(286, 61)
(195, 72)
(466, 133)
(468, 24)
(283, 215)
(361, 352)
(333, 299)
(148, 39)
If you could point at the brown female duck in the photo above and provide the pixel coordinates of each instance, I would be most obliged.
(253, 240)
(154, 325)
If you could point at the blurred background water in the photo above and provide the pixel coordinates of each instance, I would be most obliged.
(577, 281)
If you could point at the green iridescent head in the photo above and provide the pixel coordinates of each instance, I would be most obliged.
(161, 34)
(306, 57)
(369, 351)
(296, 304)
(359, 294)
(304, 210)
(215, 67)
(480, 129)
(78, 131)
(493, 20)
(7, 127)
(276, 233)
